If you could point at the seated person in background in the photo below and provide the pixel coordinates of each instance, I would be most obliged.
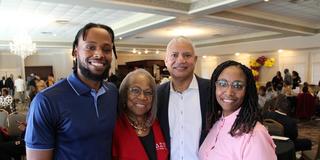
(6, 100)
(137, 134)
(317, 88)
(262, 96)
(305, 104)
(290, 125)
(270, 93)
(310, 90)
(287, 89)
(317, 103)
(12, 148)
(268, 106)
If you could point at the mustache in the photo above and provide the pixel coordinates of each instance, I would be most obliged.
(87, 73)
(180, 65)
(104, 61)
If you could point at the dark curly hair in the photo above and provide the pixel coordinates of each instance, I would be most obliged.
(83, 32)
(249, 113)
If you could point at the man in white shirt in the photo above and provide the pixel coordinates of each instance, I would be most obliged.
(183, 101)
(19, 84)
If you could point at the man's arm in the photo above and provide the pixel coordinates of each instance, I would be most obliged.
(39, 154)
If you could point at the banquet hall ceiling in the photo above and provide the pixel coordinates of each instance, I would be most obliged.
(152, 23)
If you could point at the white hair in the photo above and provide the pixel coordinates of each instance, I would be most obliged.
(182, 39)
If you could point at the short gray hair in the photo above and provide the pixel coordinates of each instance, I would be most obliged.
(182, 39)
(123, 91)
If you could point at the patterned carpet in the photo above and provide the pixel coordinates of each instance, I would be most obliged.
(310, 129)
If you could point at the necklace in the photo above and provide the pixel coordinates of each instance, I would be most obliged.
(140, 128)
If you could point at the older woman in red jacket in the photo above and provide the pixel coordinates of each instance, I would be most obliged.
(137, 134)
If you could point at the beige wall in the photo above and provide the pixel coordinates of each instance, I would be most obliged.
(59, 59)
(9, 64)
(305, 62)
(60, 62)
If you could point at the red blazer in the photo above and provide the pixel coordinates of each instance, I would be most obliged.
(126, 144)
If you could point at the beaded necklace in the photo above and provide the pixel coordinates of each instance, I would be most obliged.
(140, 128)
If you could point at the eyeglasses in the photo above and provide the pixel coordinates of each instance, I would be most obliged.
(136, 91)
(235, 85)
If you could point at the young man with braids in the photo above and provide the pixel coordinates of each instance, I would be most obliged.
(237, 133)
(74, 119)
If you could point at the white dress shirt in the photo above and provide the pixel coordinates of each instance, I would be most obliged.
(185, 122)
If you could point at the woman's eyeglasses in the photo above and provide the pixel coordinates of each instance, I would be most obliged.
(235, 85)
(136, 91)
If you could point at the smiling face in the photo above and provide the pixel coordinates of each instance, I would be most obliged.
(180, 59)
(230, 96)
(140, 95)
(94, 54)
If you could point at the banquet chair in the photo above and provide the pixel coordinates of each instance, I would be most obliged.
(309, 155)
(3, 118)
(274, 127)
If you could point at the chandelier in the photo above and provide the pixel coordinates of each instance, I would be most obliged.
(22, 45)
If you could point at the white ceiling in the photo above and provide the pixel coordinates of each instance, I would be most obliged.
(150, 23)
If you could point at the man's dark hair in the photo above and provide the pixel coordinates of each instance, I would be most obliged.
(249, 113)
(83, 33)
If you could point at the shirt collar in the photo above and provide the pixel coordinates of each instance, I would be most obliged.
(232, 117)
(192, 85)
(78, 86)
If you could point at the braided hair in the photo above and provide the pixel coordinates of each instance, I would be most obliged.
(249, 113)
(83, 32)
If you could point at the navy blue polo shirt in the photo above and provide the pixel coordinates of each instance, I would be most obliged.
(73, 120)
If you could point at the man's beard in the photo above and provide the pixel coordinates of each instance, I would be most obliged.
(88, 74)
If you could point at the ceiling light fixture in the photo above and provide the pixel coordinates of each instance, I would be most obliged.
(145, 51)
(22, 45)
(280, 51)
(237, 54)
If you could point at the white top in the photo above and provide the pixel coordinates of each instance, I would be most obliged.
(185, 122)
(19, 84)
